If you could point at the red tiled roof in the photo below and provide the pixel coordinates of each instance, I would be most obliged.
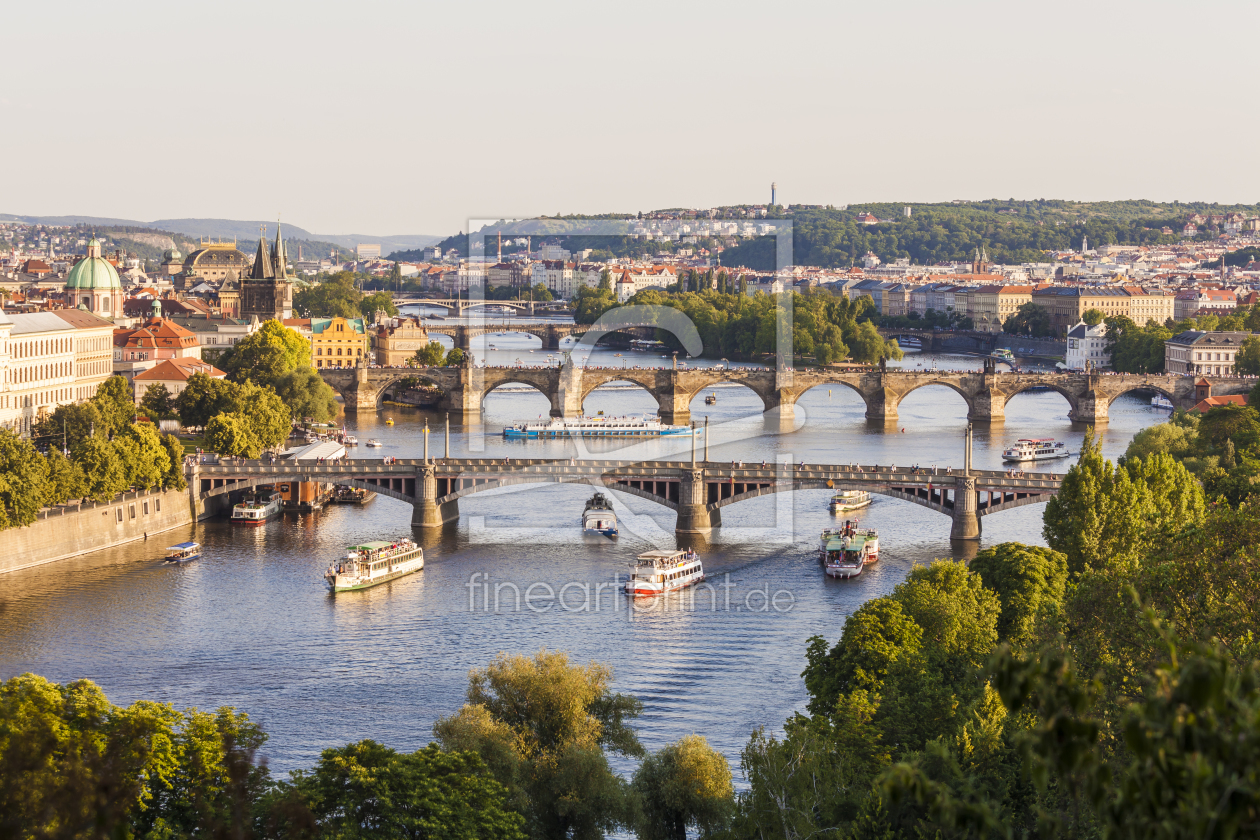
(179, 370)
(1217, 402)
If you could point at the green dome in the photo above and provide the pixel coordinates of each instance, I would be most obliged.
(93, 273)
(172, 254)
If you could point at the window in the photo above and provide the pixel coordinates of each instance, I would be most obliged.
(120, 515)
(146, 508)
(157, 505)
(131, 509)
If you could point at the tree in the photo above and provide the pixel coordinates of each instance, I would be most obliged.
(1247, 360)
(366, 790)
(69, 424)
(202, 398)
(684, 785)
(65, 479)
(175, 454)
(267, 355)
(230, 434)
(383, 301)
(307, 395)
(103, 470)
(454, 358)
(1030, 319)
(115, 404)
(157, 403)
(1093, 317)
(541, 725)
(1170, 438)
(1029, 582)
(874, 637)
(432, 355)
(23, 481)
(336, 296)
(143, 456)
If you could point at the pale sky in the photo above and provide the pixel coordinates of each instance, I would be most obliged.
(393, 118)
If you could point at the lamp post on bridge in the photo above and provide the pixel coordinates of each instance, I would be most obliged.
(426, 441)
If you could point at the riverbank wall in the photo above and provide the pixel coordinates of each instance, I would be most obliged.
(70, 530)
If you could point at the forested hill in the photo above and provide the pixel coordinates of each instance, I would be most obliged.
(1012, 231)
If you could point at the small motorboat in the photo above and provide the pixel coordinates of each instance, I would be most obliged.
(373, 442)
(389, 421)
(350, 440)
(183, 552)
(710, 399)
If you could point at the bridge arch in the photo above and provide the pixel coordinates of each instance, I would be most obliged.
(256, 480)
(1127, 388)
(968, 399)
(545, 478)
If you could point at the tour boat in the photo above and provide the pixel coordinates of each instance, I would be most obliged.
(596, 427)
(657, 572)
(710, 399)
(373, 442)
(350, 440)
(183, 552)
(1160, 401)
(258, 510)
(847, 500)
(371, 563)
(598, 516)
(845, 551)
(1036, 449)
(1003, 355)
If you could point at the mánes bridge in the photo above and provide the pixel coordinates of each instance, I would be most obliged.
(696, 491)
(986, 392)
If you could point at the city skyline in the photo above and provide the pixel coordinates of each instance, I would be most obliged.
(837, 105)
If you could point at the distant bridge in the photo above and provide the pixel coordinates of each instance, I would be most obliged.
(550, 334)
(460, 305)
(696, 490)
(1089, 396)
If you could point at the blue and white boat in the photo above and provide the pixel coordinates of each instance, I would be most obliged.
(599, 426)
(183, 552)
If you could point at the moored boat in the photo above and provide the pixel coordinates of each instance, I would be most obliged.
(372, 563)
(847, 500)
(598, 516)
(350, 440)
(598, 426)
(258, 510)
(1036, 449)
(1161, 402)
(658, 572)
(183, 552)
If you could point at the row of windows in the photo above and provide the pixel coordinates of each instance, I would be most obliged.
(38, 372)
(319, 351)
(144, 506)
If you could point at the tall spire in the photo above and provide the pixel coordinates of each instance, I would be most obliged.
(280, 258)
(263, 268)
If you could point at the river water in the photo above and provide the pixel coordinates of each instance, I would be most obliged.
(250, 625)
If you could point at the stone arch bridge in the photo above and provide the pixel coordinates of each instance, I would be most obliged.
(696, 491)
(459, 306)
(549, 334)
(986, 392)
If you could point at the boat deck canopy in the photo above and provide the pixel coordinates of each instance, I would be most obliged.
(183, 546)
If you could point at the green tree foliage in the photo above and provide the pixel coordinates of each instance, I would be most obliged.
(103, 469)
(267, 355)
(336, 296)
(432, 355)
(1093, 317)
(24, 481)
(1247, 361)
(175, 454)
(589, 304)
(230, 434)
(69, 424)
(685, 785)
(202, 398)
(157, 403)
(381, 301)
(455, 357)
(307, 395)
(1135, 349)
(366, 790)
(542, 726)
(1030, 319)
(1029, 582)
(115, 404)
(143, 456)
(66, 480)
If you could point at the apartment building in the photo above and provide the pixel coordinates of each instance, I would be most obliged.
(1195, 351)
(990, 306)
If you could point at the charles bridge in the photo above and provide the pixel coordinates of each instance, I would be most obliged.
(986, 392)
(696, 490)
(549, 334)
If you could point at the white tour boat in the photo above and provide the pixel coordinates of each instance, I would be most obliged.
(374, 562)
(373, 442)
(1162, 402)
(598, 516)
(350, 440)
(657, 572)
(847, 500)
(846, 551)
(258, 510)
(1036, 449)
(183, 552)
(598, 426)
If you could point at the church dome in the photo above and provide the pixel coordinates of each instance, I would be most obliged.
(94, 271)
(172, 254)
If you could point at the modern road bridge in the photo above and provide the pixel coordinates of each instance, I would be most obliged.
(696, 490)
(986, 392)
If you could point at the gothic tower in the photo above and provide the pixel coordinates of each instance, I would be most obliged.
(267, 292)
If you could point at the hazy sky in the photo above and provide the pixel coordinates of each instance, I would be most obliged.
(392, 117)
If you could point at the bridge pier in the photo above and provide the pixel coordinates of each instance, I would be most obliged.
(363, 395)
(988, 406)
(426, 512)
(674, 404)
(966, 518)
(566, 400)
(1091, 407)
(694, 516)
(882, 404)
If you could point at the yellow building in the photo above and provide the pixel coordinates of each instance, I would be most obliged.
(398, 339)
(339, 342)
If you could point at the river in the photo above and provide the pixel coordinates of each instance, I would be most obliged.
(250, 625)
